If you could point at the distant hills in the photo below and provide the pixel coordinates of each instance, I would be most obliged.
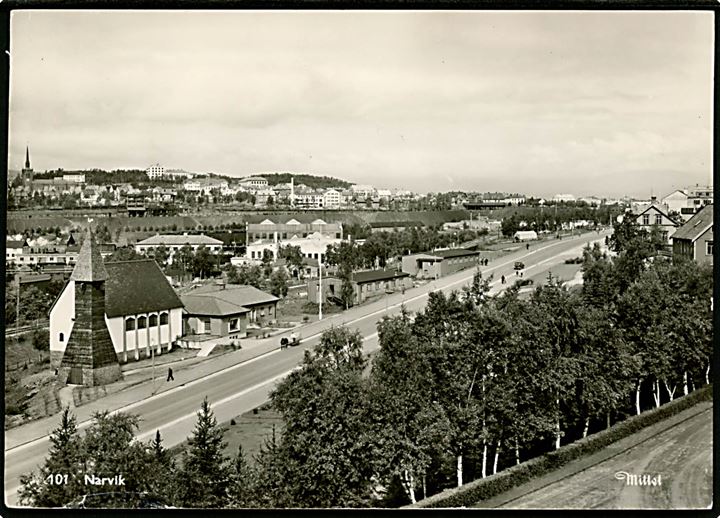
(312, 181)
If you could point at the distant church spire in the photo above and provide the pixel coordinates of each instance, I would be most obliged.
(27, 171)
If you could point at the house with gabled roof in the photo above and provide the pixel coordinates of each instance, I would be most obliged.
(13, 249)
(654, 215)
(226, 309)
(694, 239)
(142, 311)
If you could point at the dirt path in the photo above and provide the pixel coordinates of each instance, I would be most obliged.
(681, 455)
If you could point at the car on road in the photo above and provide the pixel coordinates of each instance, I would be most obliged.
(524, 282)
(289, 342)
(519, 265)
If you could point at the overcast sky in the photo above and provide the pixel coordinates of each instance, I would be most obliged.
(535, 102)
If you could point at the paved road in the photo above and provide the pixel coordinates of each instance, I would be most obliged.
(679, 450)
(242, 387)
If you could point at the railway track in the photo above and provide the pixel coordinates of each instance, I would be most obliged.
(15, 331)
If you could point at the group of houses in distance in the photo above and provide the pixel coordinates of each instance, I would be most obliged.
(56, 186)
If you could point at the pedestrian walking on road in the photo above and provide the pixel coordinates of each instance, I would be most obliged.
(502, 280)
(527, 246)
(170, 376)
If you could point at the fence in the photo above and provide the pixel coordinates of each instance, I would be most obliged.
(38, 324)
(28, 362)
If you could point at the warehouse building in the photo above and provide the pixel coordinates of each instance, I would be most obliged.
(433, 265)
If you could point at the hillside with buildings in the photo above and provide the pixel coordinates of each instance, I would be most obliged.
(310, 180)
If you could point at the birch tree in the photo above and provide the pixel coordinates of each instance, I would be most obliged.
(404, 416)
(326, 444)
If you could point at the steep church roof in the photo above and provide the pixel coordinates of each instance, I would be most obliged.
(89, 266)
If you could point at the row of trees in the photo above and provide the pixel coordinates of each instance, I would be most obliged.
(382, 247)
(553, 218)
(263, 277)
(379, 247)
(34, 302)
(474, 384)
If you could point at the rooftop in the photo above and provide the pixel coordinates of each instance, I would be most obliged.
(135, 287)
(211, 306)
(227, 299)
(184, 239)
(453, 252)
(377, 275)
(392, 224)
(697, 225)
(89, 266)
(289, 219)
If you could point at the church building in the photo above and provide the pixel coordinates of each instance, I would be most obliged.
(89, 358)
(141, 311)
(27, 171)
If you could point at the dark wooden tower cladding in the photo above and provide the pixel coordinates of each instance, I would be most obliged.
(89, 357)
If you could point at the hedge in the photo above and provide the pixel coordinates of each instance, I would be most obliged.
(482, 489)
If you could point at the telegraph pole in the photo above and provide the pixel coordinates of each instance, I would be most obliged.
(17, 304)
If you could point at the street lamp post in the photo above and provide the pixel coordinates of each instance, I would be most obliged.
(152, 355)
(17, 304)
(320, 295)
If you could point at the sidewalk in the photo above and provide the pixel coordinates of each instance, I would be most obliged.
(140, 388)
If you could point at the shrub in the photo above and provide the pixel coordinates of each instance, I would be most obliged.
(13, 410)
(41, 339)
(485, 488)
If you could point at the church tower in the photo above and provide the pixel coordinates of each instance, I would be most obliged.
(89, 357)
(27, 172)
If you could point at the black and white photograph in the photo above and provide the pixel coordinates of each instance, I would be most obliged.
(359, 259)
